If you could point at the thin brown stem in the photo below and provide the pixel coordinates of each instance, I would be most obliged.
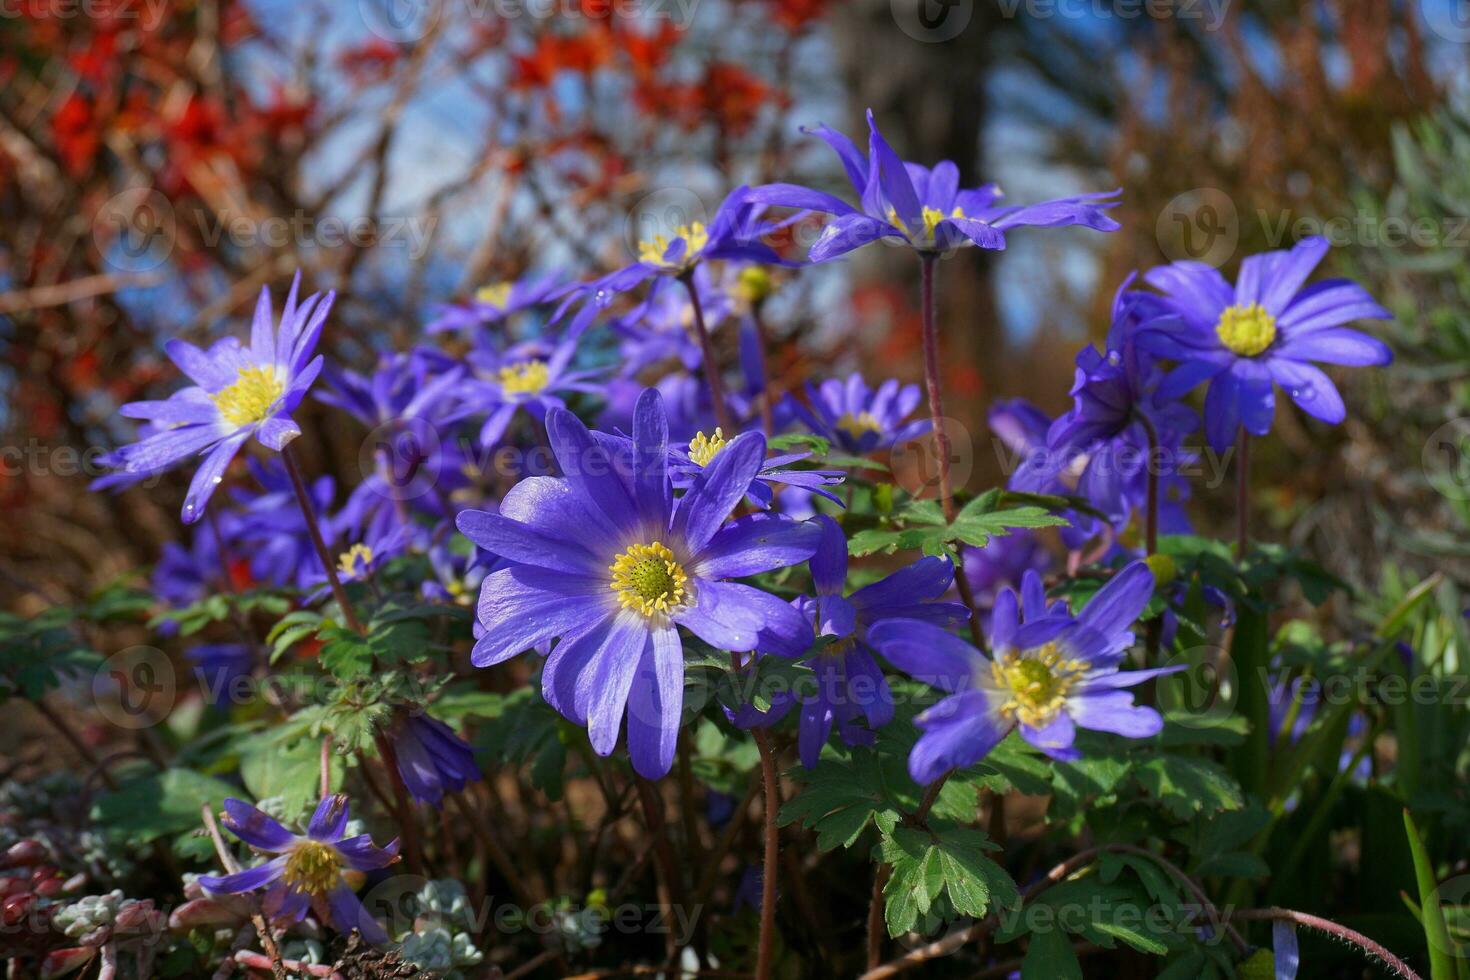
(1333, 929)
(231, 866)
(707, 356)
(932, 384)
(765, 951)
(75, 741)
(308, 511)
(402, 807)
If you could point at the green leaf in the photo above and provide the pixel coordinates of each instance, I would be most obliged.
(1436, 932)
(291, 771)
(839, 800)
(1050, 957)
(158, 804)
(949, 859)
(1189, 787)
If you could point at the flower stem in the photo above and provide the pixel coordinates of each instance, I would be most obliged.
(1242, 494)
(932, 383)
(1333, 929)
(303, 499)
(763, 345)
(766, 949)
(1151, 463)
(404, 810)
(707, 356)
(942, 448)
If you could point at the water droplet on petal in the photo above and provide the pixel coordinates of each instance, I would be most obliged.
(1114, 358)
(1305, 394)
(601, 297)
(218, 479)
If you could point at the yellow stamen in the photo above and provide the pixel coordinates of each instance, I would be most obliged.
(859, 425)
(354, 561)
(932, 217)
(524, 377)
(1246, 330)
(695, 238)
(703, 448)
(313, 867)
(495, 294)
(251, 398)
(752, 285)
(648, 580)
(1038, 681)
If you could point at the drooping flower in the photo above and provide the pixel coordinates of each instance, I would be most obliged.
(1104, 439)
(923, 208)
(858, 419)
(610, 564)
(494, 302)
(849, 683)
(431, 758)
(1262, 332)
(319, 870)
(218, 666)
(1048, 674)
(238, 392)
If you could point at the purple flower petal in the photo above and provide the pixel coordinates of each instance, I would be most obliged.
(247, 880)
(739, 618)
(958, 731)
(614, 667)
(756, 543)
(1114, 711)
(523, 605)
(927, 653)
(255, 828)
(655, 705)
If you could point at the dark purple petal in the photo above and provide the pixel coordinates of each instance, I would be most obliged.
(814, 727)
(893, 178)
(925, 580)
(348, 914)
(329, 821)
(852, 158)
(958, 731)
(716, 489)
(275, 433)
(845, 233)
(255, 828)
(244, 881)
(796, 196)
(1117, 605)
(927, 653)
(652, 491)
(829, 562)
(588, 468)
(565, 679)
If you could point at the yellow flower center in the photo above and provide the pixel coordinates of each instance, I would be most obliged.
(703, 448)
(1038, 681)
(1246, 330)
(648, 580)
(524, 377)
(695, 238)
(752, 285)
(859, 425)
(355, 560)
(930, 216)
(313, 867)
(495, 294)
(250, 399)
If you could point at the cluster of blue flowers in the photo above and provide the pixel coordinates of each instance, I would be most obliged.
(632, 540)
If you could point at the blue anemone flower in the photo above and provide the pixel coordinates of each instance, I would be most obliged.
(238, 392)
(532, 376)
(494, 302)
(319, 870)
(733, 234)
(608, 562)
(431, 759)
(1262, 332)
(686, 462)
(923, 208)
(849, 683)
(1048, 673)
(858, 419)
(271, 524)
